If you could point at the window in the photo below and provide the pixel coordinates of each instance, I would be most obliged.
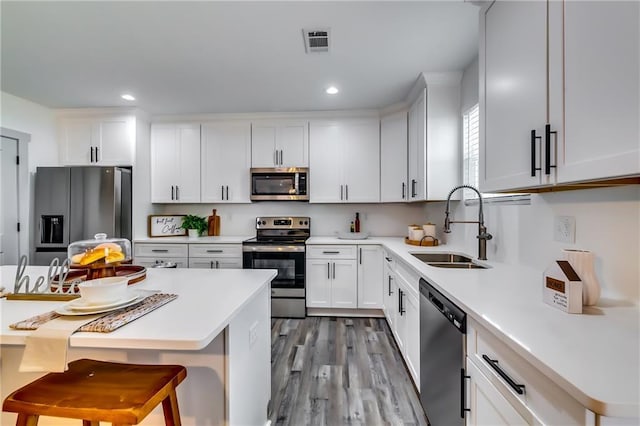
(471, 161)
(471, 149)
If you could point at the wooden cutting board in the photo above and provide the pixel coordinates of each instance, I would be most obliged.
(213, 222)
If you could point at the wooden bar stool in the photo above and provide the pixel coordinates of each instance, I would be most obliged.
(95, 391)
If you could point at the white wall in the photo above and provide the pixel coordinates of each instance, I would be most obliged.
(607, 223)
(327, 219)
(38, 121)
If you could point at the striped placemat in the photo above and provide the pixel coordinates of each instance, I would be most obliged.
(109, 321)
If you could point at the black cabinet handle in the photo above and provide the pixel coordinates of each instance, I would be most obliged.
(388, 259)
(227, 192)
(341, 192)
(493, 363)
(390, 292)
(413, 188)
(330, 252)
(547, 148)
(404, 186)
(361, 255)
(177, 193)
(400, 304)
(159, 251)
(215, 251)
(92, 154)
(334, 270)
(346, 192)
(97, 154)
(463, 392)
(328, 271)
(533, 153)
(172, 196)
(222, 192)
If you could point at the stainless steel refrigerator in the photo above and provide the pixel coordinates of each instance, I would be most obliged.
(75, 203)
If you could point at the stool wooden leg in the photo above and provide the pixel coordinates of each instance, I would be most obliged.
(90, 423)
(170, 409)
(27, 420)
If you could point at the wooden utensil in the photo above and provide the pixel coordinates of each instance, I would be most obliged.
(211, 224)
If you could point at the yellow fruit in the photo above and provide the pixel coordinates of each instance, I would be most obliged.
(91, 256)
(77, 257)
(109, 247)
(115, 256)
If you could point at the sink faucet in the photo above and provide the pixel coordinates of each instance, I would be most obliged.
(483, 235)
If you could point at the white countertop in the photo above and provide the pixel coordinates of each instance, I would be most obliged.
(207, 300)
(595, 357)
(199, 240)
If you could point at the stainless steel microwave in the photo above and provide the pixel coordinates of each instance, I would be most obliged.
(288, 183)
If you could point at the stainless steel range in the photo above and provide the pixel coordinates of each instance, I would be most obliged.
(280, 244)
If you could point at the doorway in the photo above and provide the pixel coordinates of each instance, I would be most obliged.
(14, 197)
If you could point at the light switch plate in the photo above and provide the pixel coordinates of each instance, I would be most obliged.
(564, 229)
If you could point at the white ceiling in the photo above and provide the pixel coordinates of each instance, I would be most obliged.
(211, 57)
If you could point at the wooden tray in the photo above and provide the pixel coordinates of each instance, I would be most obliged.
(425, 242)
(137, 274)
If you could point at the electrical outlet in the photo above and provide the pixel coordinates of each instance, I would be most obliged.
(564, 229)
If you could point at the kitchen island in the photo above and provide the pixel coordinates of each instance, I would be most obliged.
(218, 327)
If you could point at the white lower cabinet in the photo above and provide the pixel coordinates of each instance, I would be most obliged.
(210, 256)
(402, 311)
(344, 276)
(150, 255)
(487, 405)
(215, 256)
(389, 292)
(370, 276)
(507, 389)
(331, 283)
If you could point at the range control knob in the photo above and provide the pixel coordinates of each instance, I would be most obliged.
(300, 222)
(306, 222)
(264, 222)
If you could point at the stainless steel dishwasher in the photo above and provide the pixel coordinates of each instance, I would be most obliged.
(442, 343)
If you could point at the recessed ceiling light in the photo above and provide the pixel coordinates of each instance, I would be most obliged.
(128, 97)
(332, 90)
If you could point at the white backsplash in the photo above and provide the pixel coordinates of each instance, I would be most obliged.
(326, 219)
(607, 223)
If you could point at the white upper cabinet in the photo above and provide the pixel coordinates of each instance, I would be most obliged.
(434, 164)
(97, 140)
(226, 160)
(417, 148)
(345, 161)
(562, 114)
(393, 158)
(175, 163)
(279, 144)
(601, 135)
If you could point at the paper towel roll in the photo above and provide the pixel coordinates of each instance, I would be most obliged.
(429, 230)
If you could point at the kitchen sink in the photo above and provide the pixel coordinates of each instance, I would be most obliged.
(441, 257)
(448, 260)
(457, 265)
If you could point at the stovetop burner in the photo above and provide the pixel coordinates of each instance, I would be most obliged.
(281, 230)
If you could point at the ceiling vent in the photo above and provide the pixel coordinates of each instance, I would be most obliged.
(316, 40)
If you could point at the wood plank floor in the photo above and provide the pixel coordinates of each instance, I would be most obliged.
(339, 371)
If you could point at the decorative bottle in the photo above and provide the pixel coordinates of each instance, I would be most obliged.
(353, 228)
(357, 222)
